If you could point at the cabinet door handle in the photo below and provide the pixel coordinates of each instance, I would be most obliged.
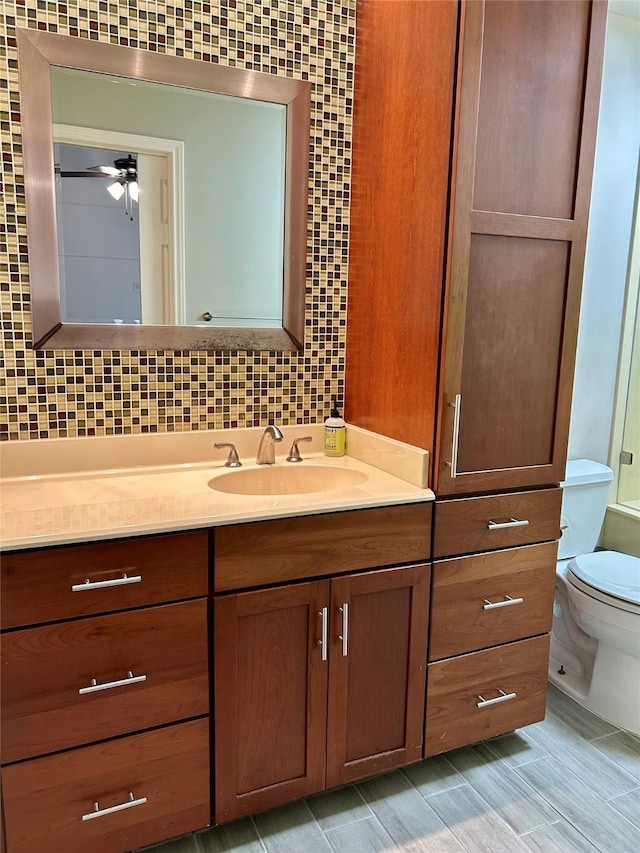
(323, 614)
(129, 804)
(508, 601)
(503, 697)
(94, 687)
(456, 435)
(495, 525)
(125, 579)
(344, 609)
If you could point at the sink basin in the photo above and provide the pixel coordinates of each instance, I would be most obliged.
(292, 480)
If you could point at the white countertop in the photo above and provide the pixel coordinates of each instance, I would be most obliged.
(62, 491)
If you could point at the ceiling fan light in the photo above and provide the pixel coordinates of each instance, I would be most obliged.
(133, 190)
(116, 190)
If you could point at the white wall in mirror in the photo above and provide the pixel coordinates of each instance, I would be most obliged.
(234, 163)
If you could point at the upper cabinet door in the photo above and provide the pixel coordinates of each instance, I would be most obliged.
(527, 104)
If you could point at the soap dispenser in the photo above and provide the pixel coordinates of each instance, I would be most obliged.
(334, 432)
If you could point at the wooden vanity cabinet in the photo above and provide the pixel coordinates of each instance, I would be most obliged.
(491, 613)
(321, 682)
(105, 694)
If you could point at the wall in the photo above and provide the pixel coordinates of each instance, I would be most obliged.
(63, 393)
(611, 217)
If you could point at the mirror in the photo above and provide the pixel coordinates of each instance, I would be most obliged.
(219, 156)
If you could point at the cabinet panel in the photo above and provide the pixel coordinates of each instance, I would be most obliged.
(270, 697)
(471, 597)
(518, 109)
(37, 586)
(44, 668)
(308, 546)
(377, 671)
(487, 522)
(46, 798)
(460, 691)
(515, 301)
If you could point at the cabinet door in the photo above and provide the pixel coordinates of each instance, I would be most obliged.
(525, 140)
(377, 671)
(270, 697)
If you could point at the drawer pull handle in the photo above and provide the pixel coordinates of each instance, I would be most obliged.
(508, 601)
(130, 803)
(125, 579)
(503, 697)
(107, 685)
(456, 436)
(323, 614)
(495, 525)
(344, 609)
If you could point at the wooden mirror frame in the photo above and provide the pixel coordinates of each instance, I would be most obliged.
(37, 52)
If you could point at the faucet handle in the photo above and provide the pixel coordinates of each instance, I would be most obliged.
(294, 453)
(232, 460)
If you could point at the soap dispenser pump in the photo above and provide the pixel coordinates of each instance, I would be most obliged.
(334, 432)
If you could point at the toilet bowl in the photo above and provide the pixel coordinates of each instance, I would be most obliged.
(595, 645)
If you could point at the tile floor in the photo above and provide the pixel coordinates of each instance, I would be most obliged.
(569, 784)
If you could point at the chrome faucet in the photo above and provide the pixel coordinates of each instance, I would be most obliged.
(267, 450)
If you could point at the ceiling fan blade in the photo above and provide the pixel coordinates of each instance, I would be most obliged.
(106, 170)
(82, 174)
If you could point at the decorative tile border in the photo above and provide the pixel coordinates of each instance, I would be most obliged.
(54, 394)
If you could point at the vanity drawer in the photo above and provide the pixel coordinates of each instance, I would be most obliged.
(485, 523)
(45, 799)
(49, 584)
(44, 668)
(486, 599)
(311, 546)
(457, 686)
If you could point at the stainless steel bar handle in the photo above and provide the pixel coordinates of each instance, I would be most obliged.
(456, 435)
(130, 803)
(508, 601)
(503, 697)
(323, 614)
(94, 687)
(344, 609)
(495, 525)
(125, 579)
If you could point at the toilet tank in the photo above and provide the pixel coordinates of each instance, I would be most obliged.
(584, 502)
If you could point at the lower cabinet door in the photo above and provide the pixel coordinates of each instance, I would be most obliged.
(377, 669)
(271, 650)
(479, 695)
(111, 797)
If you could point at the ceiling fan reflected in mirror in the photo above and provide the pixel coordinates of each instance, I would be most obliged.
(125, 179)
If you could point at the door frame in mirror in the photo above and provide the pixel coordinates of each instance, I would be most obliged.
(37, 52)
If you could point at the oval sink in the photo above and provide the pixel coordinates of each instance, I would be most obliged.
(292, 480)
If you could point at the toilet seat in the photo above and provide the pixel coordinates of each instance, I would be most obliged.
(609, 577)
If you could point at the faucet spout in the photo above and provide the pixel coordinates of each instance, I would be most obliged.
(267, 449)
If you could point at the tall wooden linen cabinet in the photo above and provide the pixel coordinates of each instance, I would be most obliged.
(474, 140)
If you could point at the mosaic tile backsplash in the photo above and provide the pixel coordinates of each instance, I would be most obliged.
(54, 394)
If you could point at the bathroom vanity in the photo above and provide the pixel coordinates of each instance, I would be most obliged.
(155, 684)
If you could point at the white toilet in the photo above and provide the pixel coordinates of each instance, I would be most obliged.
(595, 642)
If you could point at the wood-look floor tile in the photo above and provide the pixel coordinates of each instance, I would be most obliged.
(581, 757)
(338, 807)
(433, 775)
(365, 836)
(624, 749)
(474, 823)
(240, 836)
(558, 837)
(184, 844)
(520, 806)
(629, 806)
(290, 828)
(407, 817)
(579, 804)
(516, 748)
(561, 707)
